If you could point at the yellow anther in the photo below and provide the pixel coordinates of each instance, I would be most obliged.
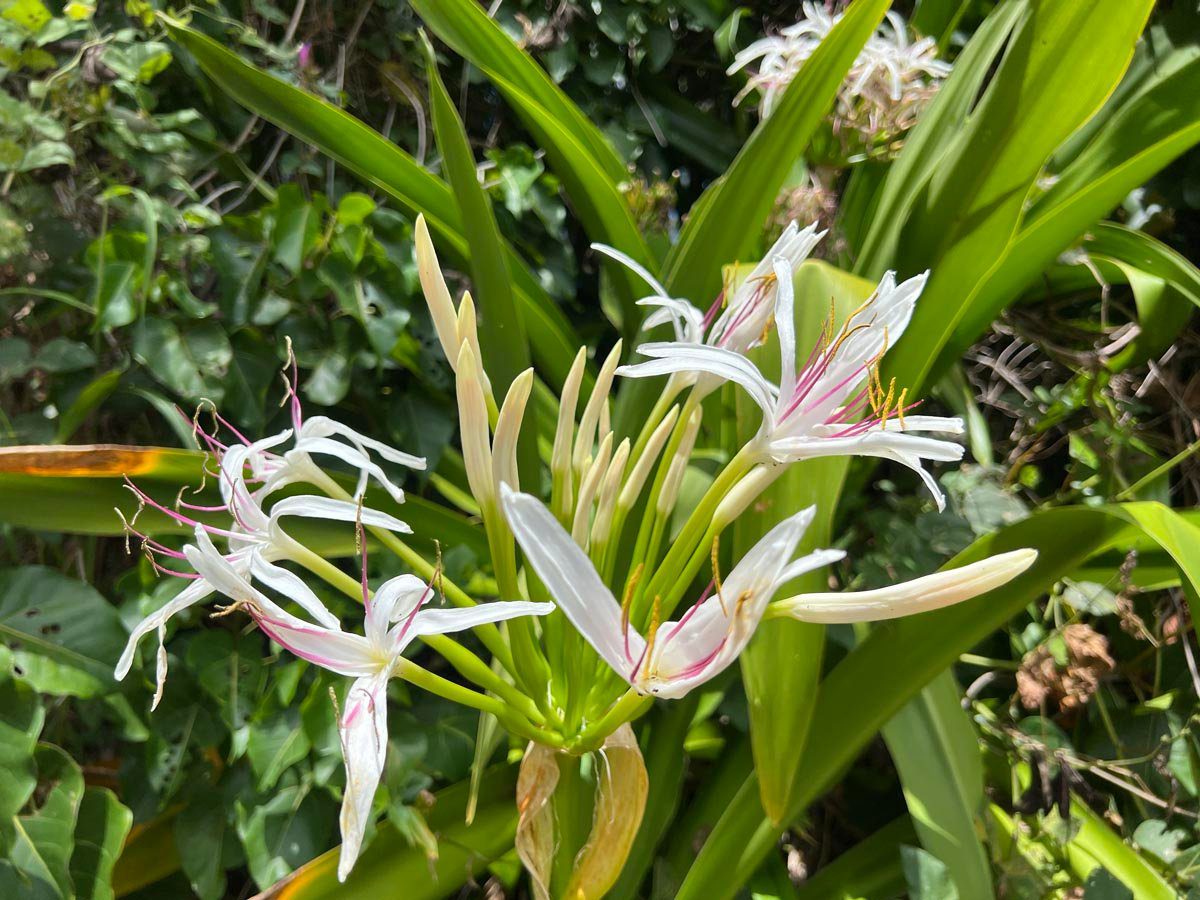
(716, 567)
(627, 599)
(652, 632)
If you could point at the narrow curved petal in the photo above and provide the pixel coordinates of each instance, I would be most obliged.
(920, 595)
(633, 266)
(364, 750)
(446, 621)
(785, 324)
(572, 580)
(294, 588)
(353, 457)
(312, 507)
(337, 651)
(323, 426)
(725, 364)
(195, 592)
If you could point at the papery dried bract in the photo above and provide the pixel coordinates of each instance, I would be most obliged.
(622, 785)
(535, 826)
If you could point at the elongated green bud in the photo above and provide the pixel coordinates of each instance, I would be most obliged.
(437, 294)
(564, 435)
(473, 425)
(591, 412)
(641, 469)
(588, 487)
(606, 505)
(508, 429)
(678, 466)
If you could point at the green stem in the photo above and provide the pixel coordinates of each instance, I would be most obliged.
(488, 634)
(630, 706)
(463, 660)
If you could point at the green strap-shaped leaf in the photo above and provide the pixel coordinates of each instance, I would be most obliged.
(1059, 68)
(502, 335)
(590, 169)
(378, 161)
(1138, 141)
(782, 665)
(725, 224)
(936, 752)
(465, 26)
(929, 141)
(75, 489)
(100, 831)
(870, 868)
(898, 658)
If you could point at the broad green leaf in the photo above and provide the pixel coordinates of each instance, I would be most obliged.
(725, 223)
(192, 363)
(1058, 69)
(466, 28)
(42, 837)
(148, 855)
(1136, 142)
(100, 831)
(376, 160)
(64, 636)
(76, 489)
(936, 752)
(898, 658)
(21, 718)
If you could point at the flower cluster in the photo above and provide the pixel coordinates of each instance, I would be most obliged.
(251, 476)
(572, 665)
(885, 90)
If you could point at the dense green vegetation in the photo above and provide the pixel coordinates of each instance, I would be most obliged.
(186, 190)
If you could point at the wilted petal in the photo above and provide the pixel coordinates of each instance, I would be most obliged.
(364, 749)
(931, 592)
(535, 839)
(622, 785)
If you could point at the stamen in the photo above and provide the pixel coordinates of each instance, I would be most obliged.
(626, 601)
(716, 567)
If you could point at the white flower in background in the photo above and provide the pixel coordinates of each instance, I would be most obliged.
(890, 76)
(676, 656)
(736, 323)
(833, 404)
(395, 617)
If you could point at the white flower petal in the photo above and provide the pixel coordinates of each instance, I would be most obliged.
(931, 592)
(446, 621)
(195, 592)
(633, 265)
(313, 507)
(332, 649)
(364, 750)
(322, 426)
(571, 579)
(294, 588)
(668, 358)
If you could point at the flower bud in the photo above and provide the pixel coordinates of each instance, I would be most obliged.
(606, 505)
(508, 430)
(473, 425)
(564, 436)
(591, 412)
(641, 469)
(437, 294)
(587, 493)
(675, 472)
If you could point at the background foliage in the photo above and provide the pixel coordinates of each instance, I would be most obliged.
(158, 242)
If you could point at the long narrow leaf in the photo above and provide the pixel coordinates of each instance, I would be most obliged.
(898, 658)
(726, 222)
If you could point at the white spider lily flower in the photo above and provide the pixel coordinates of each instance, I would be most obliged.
(676, 656)
(395, 617)
(888, 68)
(736, 323)
(254, 536)
(833, 404)
(936, 591)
